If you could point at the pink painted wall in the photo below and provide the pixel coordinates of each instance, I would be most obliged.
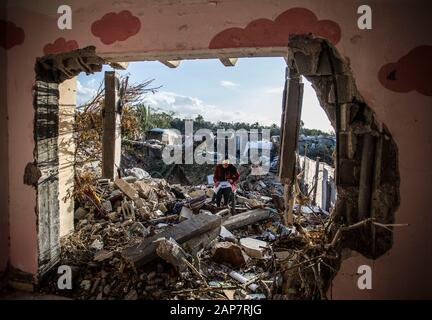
(398, 27)
(4, 185)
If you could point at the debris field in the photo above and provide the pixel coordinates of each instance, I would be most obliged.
(138, 237)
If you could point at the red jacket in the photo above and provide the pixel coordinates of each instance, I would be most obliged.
(224, 174)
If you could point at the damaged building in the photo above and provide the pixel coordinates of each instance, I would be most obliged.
(303, 231)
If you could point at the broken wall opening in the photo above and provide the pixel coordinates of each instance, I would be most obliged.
(367, 173)
(48, 170)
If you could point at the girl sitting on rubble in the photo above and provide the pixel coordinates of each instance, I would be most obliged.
(225, 180)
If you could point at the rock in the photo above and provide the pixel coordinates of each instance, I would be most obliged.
(115, 196)
(102, 255)
(85, 284)
(97, 245)
(80, 213)
(138, 173)
(162, 207)
(159, 213)
(209, 193)
(282, 255)
(126, 188)
(139, 228)
(132, 295)
(254, 248)
(140, 203)
(255, 296)
(107, 205)
(143, 188)
(196, 194)
(228, 253)
(107, 290)
(114, 216)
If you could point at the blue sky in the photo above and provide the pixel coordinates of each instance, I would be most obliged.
(251, 91)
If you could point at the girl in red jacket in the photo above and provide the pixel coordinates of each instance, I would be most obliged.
(225, 180)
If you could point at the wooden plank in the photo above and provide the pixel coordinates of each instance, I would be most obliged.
(171, 63)
(366, 176)
(291, 127)
(119, 65)
(111, 138)
(145, 252)
(246, 218)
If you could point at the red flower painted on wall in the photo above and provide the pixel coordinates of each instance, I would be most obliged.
(411, 72)
(10, 34)
(60, 46)
(269, 33)
(114, 27)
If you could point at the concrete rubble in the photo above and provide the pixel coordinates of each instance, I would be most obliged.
(138, 237)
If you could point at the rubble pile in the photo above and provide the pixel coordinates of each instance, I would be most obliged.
(139, 237)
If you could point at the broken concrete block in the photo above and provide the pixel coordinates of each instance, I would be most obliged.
(140, 203)
(228, 253)
(194, 245)
(138, 228)
(115, 196)
(107, 205)
(128, 211)
(143, 188)
(126, 188)
(162, 207)
(254, 248)
(171, 252)
(226, 235)
(185, 213)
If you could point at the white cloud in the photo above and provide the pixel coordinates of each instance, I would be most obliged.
(189, 107)
(85, 93)
(228, 84)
